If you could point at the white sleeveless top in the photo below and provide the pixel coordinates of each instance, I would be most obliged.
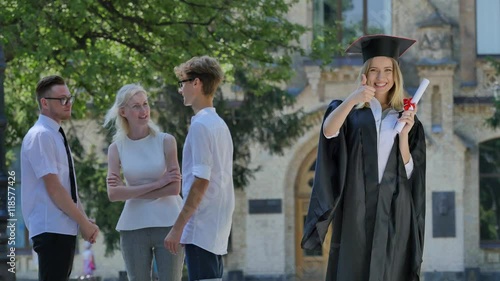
(143, 161)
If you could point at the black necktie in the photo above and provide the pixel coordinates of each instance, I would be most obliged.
(70, 164)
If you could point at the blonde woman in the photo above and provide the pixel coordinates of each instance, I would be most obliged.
(148, 160)
(370, 180)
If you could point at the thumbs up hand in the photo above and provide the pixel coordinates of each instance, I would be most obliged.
(363, 93)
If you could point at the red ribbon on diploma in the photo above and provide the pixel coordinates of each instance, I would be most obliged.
(408, 104)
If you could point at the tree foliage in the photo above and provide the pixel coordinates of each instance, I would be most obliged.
(494, 121)
(100, 45)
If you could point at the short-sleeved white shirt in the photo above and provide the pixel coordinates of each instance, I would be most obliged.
(43, 153)
(208, 154)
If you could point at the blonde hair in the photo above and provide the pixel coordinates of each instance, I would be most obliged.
(396, 93)
(205, 68)
(113, 115)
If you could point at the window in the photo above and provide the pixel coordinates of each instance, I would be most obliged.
(489, 193)
(437, 112)
(352, 18)
(488, 27)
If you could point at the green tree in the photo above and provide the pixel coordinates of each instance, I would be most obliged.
(494, 121)
(99, 45)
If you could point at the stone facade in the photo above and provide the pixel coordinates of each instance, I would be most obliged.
(453, 111)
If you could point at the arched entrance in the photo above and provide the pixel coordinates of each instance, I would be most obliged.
(310, 265)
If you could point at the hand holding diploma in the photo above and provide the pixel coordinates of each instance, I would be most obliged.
(416, 98)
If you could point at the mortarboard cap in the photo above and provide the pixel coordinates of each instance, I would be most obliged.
(380, 45)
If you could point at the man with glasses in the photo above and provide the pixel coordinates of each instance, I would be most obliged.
(204, 224)
(51, 207)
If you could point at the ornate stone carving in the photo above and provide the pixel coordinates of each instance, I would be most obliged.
(435, 44)
(435, 40)
(313, 73)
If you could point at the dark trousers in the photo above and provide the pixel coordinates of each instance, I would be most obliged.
(202, 264)
(55, 255)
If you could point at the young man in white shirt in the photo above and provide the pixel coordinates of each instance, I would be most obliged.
(51, 208)
(204, 224)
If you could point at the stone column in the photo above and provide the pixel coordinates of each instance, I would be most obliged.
(435, 62)
(468, 51)
(441, 77)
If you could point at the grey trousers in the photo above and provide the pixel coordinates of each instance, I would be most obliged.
(138, 248)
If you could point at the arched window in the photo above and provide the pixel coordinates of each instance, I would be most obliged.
(489, 193)
(437, 111)
(352, 18)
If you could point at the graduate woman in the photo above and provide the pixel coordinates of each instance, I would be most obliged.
(370, 180)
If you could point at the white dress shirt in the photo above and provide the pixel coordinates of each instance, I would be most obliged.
(208, 154)
(43, 153)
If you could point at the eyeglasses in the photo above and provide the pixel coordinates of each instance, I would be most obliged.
(181, 83)
(64, 100)
(139, 107)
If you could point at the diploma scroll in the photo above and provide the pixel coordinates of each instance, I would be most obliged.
(416, 98)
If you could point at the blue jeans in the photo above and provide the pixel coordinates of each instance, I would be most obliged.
(139, 246)
(202, 264)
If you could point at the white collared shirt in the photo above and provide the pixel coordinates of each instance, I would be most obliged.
(208, 154)
(43, 153)
(385, 136)
(385, 133)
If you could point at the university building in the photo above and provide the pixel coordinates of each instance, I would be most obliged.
(455, 40)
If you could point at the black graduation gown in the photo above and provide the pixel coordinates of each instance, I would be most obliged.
(378, 229)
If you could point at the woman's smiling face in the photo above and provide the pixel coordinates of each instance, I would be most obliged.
(380, 75)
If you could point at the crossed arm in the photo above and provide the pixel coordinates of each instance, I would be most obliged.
(167, 184)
